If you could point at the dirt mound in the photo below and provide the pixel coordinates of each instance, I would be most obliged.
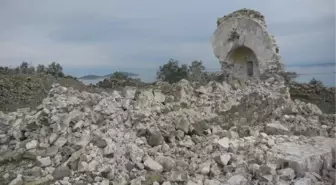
(21, 91)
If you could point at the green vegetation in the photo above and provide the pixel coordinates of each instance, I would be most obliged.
(289, 76)
(54, 69)
(119, 75)
(172, 72)
(315, 82)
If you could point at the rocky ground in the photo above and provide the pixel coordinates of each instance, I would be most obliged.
(220, 133)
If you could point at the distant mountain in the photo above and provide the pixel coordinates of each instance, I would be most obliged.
(94, 77)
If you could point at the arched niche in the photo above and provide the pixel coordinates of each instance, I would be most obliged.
(244, 62)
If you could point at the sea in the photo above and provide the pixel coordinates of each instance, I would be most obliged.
(324, 73)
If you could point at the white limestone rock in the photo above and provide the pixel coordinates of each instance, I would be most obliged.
(153, 165)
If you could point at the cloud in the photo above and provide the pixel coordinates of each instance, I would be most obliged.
(84, 35)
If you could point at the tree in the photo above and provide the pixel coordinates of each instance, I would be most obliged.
(119, 75)
(315, 82)
(24, 67)
(172, 72)
(196, 71)
(30, 69)
(289, 76)
(40, 69)
(55, 69)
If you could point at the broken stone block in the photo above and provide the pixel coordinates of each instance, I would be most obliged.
(304, 157)
(224, 142)
(276, 129)
(82, 166)
(44, 161)
(101, 143)
(32, 144)
(286, 174)
(237, 180)
(60, 172)
(61, 141)
(153, 165)
(17, 181)
(109, 150)
(178, 176)
(166, 183)
(211, 182)
(93, 165)
(303, 181)
(215, 170)
(233, 135)
(158, 96)
(224, 159)
(191, 183)
(155, 138)
(167, 162)
(204, 168)
(183, 125)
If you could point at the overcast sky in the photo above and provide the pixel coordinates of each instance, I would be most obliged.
(88, 36)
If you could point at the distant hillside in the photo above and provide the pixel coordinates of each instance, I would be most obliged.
(93, 77)
(312, 64)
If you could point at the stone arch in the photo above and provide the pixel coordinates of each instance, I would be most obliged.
(251, 34)
(244, 62)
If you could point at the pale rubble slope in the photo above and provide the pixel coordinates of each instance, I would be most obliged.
(233, 134)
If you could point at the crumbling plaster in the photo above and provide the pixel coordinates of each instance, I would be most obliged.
(239, 30)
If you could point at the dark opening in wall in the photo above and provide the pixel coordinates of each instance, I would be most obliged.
(250, 68)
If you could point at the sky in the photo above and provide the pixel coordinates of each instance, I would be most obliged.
(99, 37)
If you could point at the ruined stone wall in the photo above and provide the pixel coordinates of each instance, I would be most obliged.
(255, 15)
(246, 28)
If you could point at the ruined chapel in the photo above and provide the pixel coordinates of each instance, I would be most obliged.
(244, 47)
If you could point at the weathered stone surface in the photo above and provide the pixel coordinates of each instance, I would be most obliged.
(237, 180)
(287, 174)
(276, 128)
(153, 165)
(305, 157)
(32, 144)
(17, 181)
(256, 46)
(224, 142)
(224, 159)
(44, 161)
(303, 181)
(155, 138)
(60, 172)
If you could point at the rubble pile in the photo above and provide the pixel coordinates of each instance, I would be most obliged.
(232, 134)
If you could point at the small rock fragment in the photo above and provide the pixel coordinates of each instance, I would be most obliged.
(60, 141)
(31, 145)
(101, 143)
(237, 180)
(224, 142)
(17, 181)
(153, 165)
(303, 181)
(276, 129)
(287, 174)
(155, 138)
(60, 172)
(224, 159)
(44, 161)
